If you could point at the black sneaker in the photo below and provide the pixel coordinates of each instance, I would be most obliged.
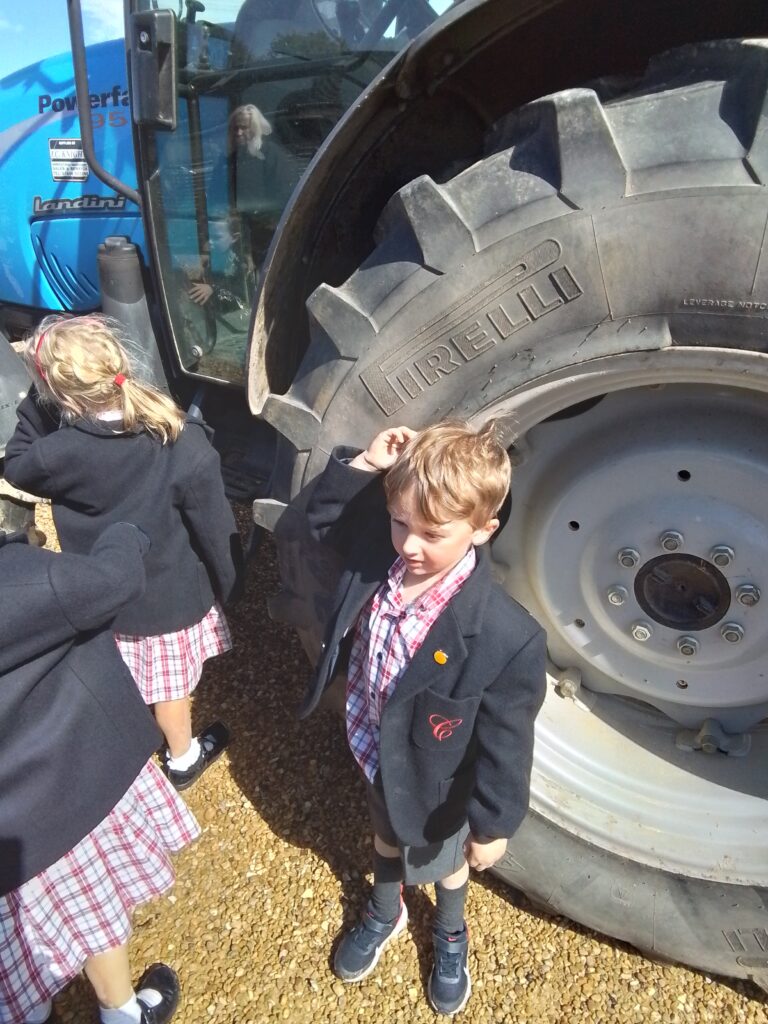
(361, 947)
(449, 984)
(213, 742)
(164, 980)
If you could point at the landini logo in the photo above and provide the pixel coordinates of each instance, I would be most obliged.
(82, 204)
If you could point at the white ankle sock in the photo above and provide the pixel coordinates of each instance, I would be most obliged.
(149, 996)
(128, 1013)
(40, 1014)
(185, 761)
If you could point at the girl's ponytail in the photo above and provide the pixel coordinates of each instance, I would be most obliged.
(145, 406)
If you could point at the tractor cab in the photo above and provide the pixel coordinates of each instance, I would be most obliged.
(232, 100)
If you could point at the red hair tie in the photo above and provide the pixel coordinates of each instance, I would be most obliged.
(119, 379)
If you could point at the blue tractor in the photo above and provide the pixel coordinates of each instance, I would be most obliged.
(54, 212)
(368, 212)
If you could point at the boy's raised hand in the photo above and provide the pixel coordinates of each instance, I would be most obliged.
(383, 450)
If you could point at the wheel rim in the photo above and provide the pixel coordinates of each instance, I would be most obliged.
(636, 537)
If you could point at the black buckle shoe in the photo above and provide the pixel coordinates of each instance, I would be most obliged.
(213, 742)
(164, 980)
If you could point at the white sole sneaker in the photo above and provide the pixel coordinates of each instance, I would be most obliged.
(461, 1005)
(400, 924)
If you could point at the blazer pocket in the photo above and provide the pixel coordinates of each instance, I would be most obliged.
(441, 723)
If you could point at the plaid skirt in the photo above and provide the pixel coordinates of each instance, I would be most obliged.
(168, 666)
(82, 904)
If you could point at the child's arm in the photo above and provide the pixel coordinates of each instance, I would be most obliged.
(504, 730)
(212, 525)
(343, 500)
(24, 459)
(47, 598)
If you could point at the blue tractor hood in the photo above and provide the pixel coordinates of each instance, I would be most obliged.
(53, 210)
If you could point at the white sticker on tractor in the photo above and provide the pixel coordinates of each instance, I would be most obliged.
(67, 160)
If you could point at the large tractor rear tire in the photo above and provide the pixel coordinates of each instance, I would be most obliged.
(599, 281)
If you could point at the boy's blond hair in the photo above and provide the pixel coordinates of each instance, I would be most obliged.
(83, 367)
(455, 471)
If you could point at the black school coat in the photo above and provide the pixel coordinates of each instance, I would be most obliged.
(174, 492)
(74, 731)
(436, 775)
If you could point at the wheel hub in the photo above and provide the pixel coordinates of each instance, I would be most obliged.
(682, 591)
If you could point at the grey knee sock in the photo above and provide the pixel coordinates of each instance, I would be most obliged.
(449, 912)
(387, 879)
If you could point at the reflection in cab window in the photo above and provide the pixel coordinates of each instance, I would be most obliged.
(261, 173)
(260, 85)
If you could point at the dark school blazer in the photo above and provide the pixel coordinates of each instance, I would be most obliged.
(174, 492)
(456, 737)
(74, 731)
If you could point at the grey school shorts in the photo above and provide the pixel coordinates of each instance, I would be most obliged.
(421, 864)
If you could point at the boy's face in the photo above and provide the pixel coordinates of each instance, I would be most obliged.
(220, 236)
(430, 549)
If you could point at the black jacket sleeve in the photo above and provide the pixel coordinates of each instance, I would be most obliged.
(47, 599)
(504, 729)
(343, 501)
(24, 454)
(212, 526)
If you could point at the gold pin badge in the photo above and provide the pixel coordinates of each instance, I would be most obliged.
(440, 657)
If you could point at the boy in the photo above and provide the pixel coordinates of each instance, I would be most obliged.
(446, 675)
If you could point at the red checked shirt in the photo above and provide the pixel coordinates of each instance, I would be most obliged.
(387, 635)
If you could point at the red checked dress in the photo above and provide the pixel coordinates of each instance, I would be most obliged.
(168, 666)
(82, 904)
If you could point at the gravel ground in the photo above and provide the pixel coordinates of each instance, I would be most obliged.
(281, 866)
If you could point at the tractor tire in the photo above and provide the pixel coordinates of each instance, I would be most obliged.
(599, 283)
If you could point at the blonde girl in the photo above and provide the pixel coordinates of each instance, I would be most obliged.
(106, 446)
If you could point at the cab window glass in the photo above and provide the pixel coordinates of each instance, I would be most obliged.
(260, 85)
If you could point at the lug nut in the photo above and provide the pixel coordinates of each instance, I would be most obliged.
(748, 595)
(641, 631)
(628, 558)
(721, 555)
(688, 646)
(617, 596)
(732, 632)
(671, 540)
